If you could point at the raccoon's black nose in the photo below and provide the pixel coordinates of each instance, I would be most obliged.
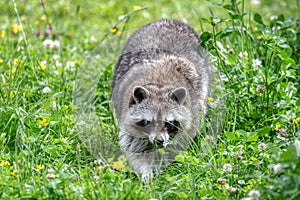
(159, 141)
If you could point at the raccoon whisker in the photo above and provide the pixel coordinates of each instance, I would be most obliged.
(152, 137)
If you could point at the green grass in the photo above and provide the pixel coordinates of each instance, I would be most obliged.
(42, 154)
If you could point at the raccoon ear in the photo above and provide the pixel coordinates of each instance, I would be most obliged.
(178, 95)
(140, 93)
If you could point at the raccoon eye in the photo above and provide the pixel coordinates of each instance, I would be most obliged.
(143, 123)
(172, 126)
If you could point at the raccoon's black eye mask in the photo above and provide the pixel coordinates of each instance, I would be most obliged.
(172, 127)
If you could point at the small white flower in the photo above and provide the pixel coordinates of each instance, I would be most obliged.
(241, 182)
(254, 194)
(227, 167)
(273, 17)
(53, 104)
(70, 64)
(55, 57)
(96, 178)
(262, 146)
(93, 39)
(255, 64)
(255, 2)
(58, 64)
(46, 90)
(44, 62)
(50, 171)
(243, 55)
(56, 44)
(50, 176)
(121, 17)
(48, 44)
(277, 168)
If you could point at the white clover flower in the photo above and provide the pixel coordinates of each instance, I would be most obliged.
(254, 194)
(227, 167)
(241, 182)
(277, 168)
(55, 57)
(255, 64)
(46, 90)
(56, 44)
(48, 44)
(96, 178)
(262, 146)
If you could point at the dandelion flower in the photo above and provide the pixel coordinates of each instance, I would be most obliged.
(44, 17)
(43, 122)
(2, 34)
(209, 99)
(14, 173)
(227, 167)
(43, 65)
(277, 127)
(40, 167)
(137, 7)
(4, 163)
(295, 121)
(118, 165)
(114, 30)
(46, 90)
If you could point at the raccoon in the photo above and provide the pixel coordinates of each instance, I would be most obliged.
(160, 87)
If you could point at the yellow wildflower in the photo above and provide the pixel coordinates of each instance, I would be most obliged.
(37, 22)
(13, 173)
(1, 60)
(50, 22)
(137, 7)
(11, 72)
(2, 33)
(209, 99)
(44, 17)
(296, 121)
(13, 93)
(118, 165)
(254, 29)
(277, 127)
(229, 122)
(43, 122)
(16, 28)
(40, 167)
(4, 163)
(114, 30)
(17, 62)
(66, 8)
(23, 18)
(260, 37)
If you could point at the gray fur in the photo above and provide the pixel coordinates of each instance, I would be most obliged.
(160, 79)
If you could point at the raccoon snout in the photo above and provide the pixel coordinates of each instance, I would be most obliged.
(160, 138)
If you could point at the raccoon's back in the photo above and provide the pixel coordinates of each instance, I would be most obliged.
(163, 37)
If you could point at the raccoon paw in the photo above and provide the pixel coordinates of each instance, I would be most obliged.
(147, 177)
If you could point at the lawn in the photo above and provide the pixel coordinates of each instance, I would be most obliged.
(58, 136)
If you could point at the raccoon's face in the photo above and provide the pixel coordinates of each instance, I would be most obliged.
(158, 114)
